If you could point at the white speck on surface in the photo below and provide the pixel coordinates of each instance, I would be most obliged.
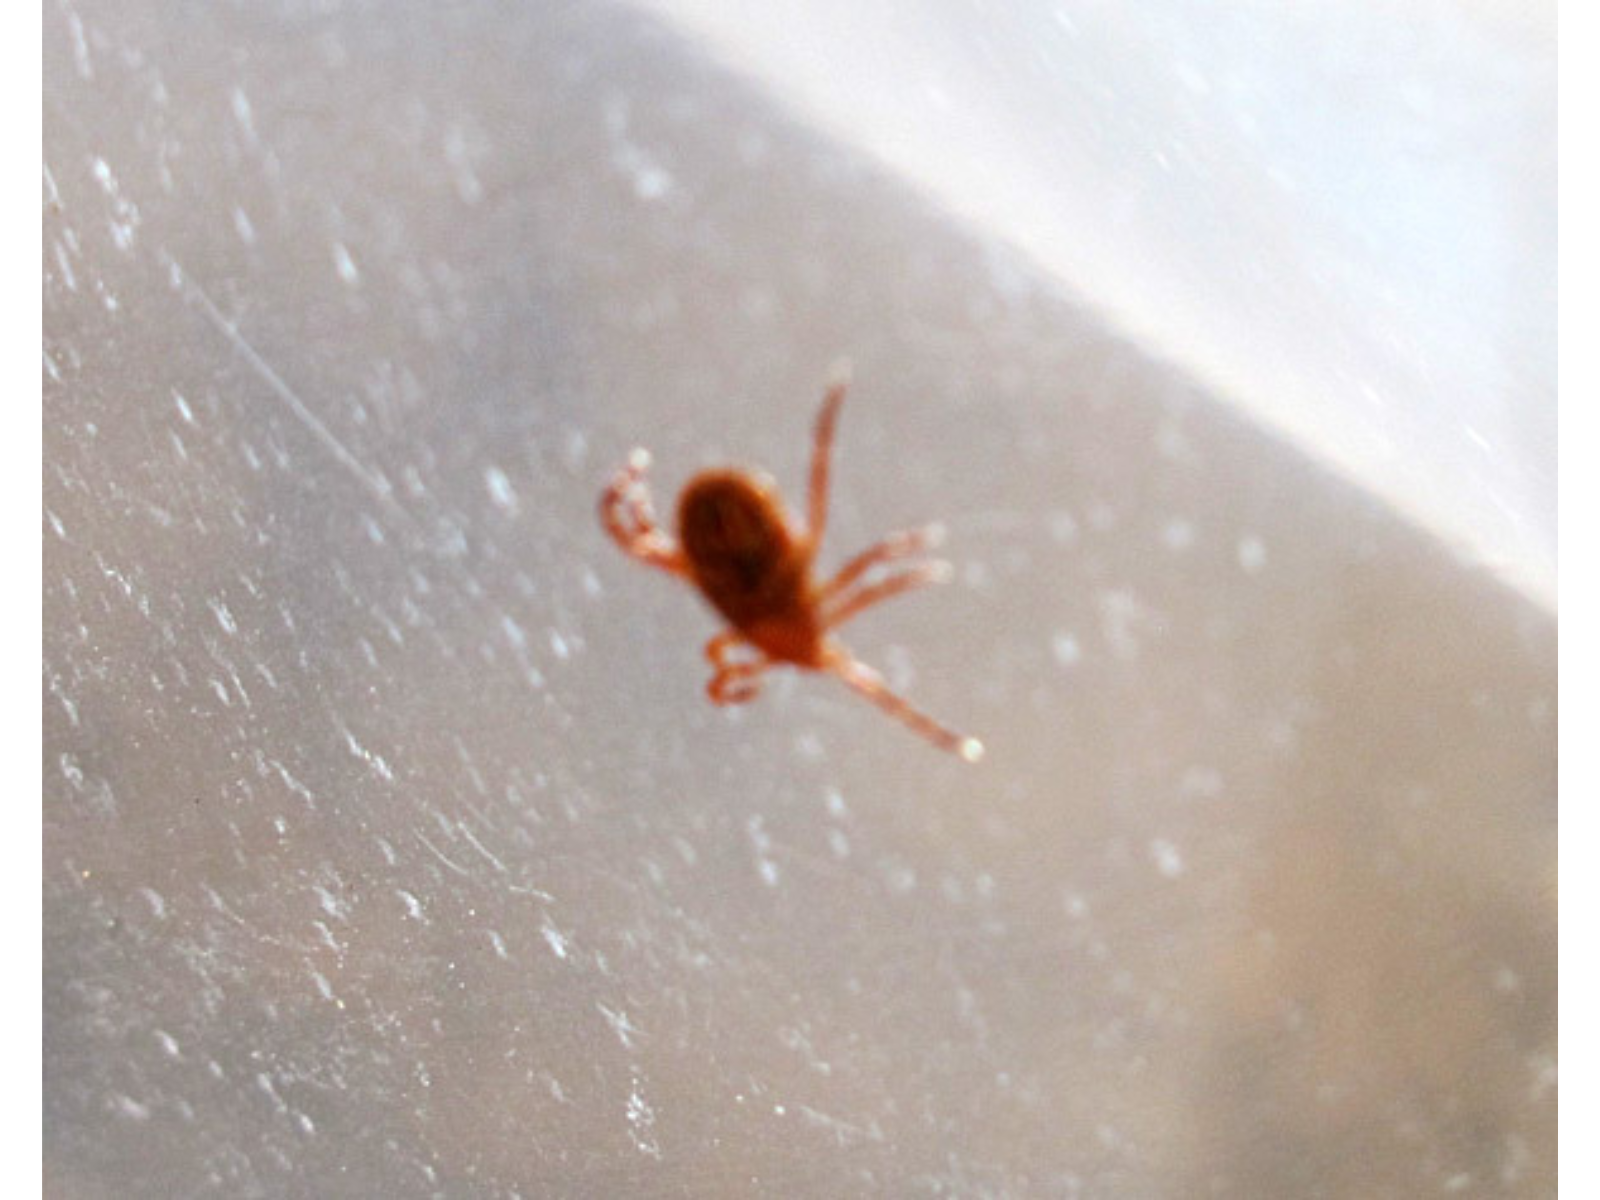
(574, 448)
(1252, 552)
(325, 936)
(834, 799)
(459, 152)
(168, 1043)
(184, 410)
(1065, 648)
(641, 1122)
(413, 905)
(331, 904)
(345, 265)
(900, 877)
(80, 47)
(324, 988)
(514, 633)
(559, 646)
(130, 1108)
(124, 213)
(1063, 527)
(289, 781)
(844, 1133)
(70, 278)
(555, 939)
(761, 841)
(651, 181)
(1200, 782)
(376, 761)
(625, 1029)
(224, 617)
(244, 227)
(1166, 856)
(264, 1082)
(242, 112)
(1123, 618)
(500, 490)
(158, 906)
(499, 944)
(1177, 534)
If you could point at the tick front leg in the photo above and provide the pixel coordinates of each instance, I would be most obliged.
(629, 518)
(737, 683)
(721, 648)
(822, 453)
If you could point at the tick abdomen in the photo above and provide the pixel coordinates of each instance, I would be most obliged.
(741, 551)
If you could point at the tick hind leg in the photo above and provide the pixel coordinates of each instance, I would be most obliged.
(871, 685)
(630, 519)
(735, 680)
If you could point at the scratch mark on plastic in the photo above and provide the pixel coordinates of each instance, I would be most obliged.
(372, 480)
(439, 854)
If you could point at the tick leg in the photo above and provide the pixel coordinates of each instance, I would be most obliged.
(736, 683)
(896, 546)
(626, 512)
(846, 606)
(871, 685)
(719, 648)
(821, 453)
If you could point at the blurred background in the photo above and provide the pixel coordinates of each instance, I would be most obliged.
(390, 843)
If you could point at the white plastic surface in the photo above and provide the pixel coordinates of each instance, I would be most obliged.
(391, 845)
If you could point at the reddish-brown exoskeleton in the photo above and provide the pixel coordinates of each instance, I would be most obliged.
(750, 560)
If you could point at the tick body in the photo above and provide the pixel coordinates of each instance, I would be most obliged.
(755, 565)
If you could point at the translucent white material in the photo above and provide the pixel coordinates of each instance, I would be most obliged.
(392, 846)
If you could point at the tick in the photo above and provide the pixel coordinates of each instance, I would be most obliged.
(756, 566)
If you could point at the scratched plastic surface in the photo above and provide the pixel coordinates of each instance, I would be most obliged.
(391, 846)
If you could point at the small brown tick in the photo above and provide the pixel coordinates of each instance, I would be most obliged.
(754, 565)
